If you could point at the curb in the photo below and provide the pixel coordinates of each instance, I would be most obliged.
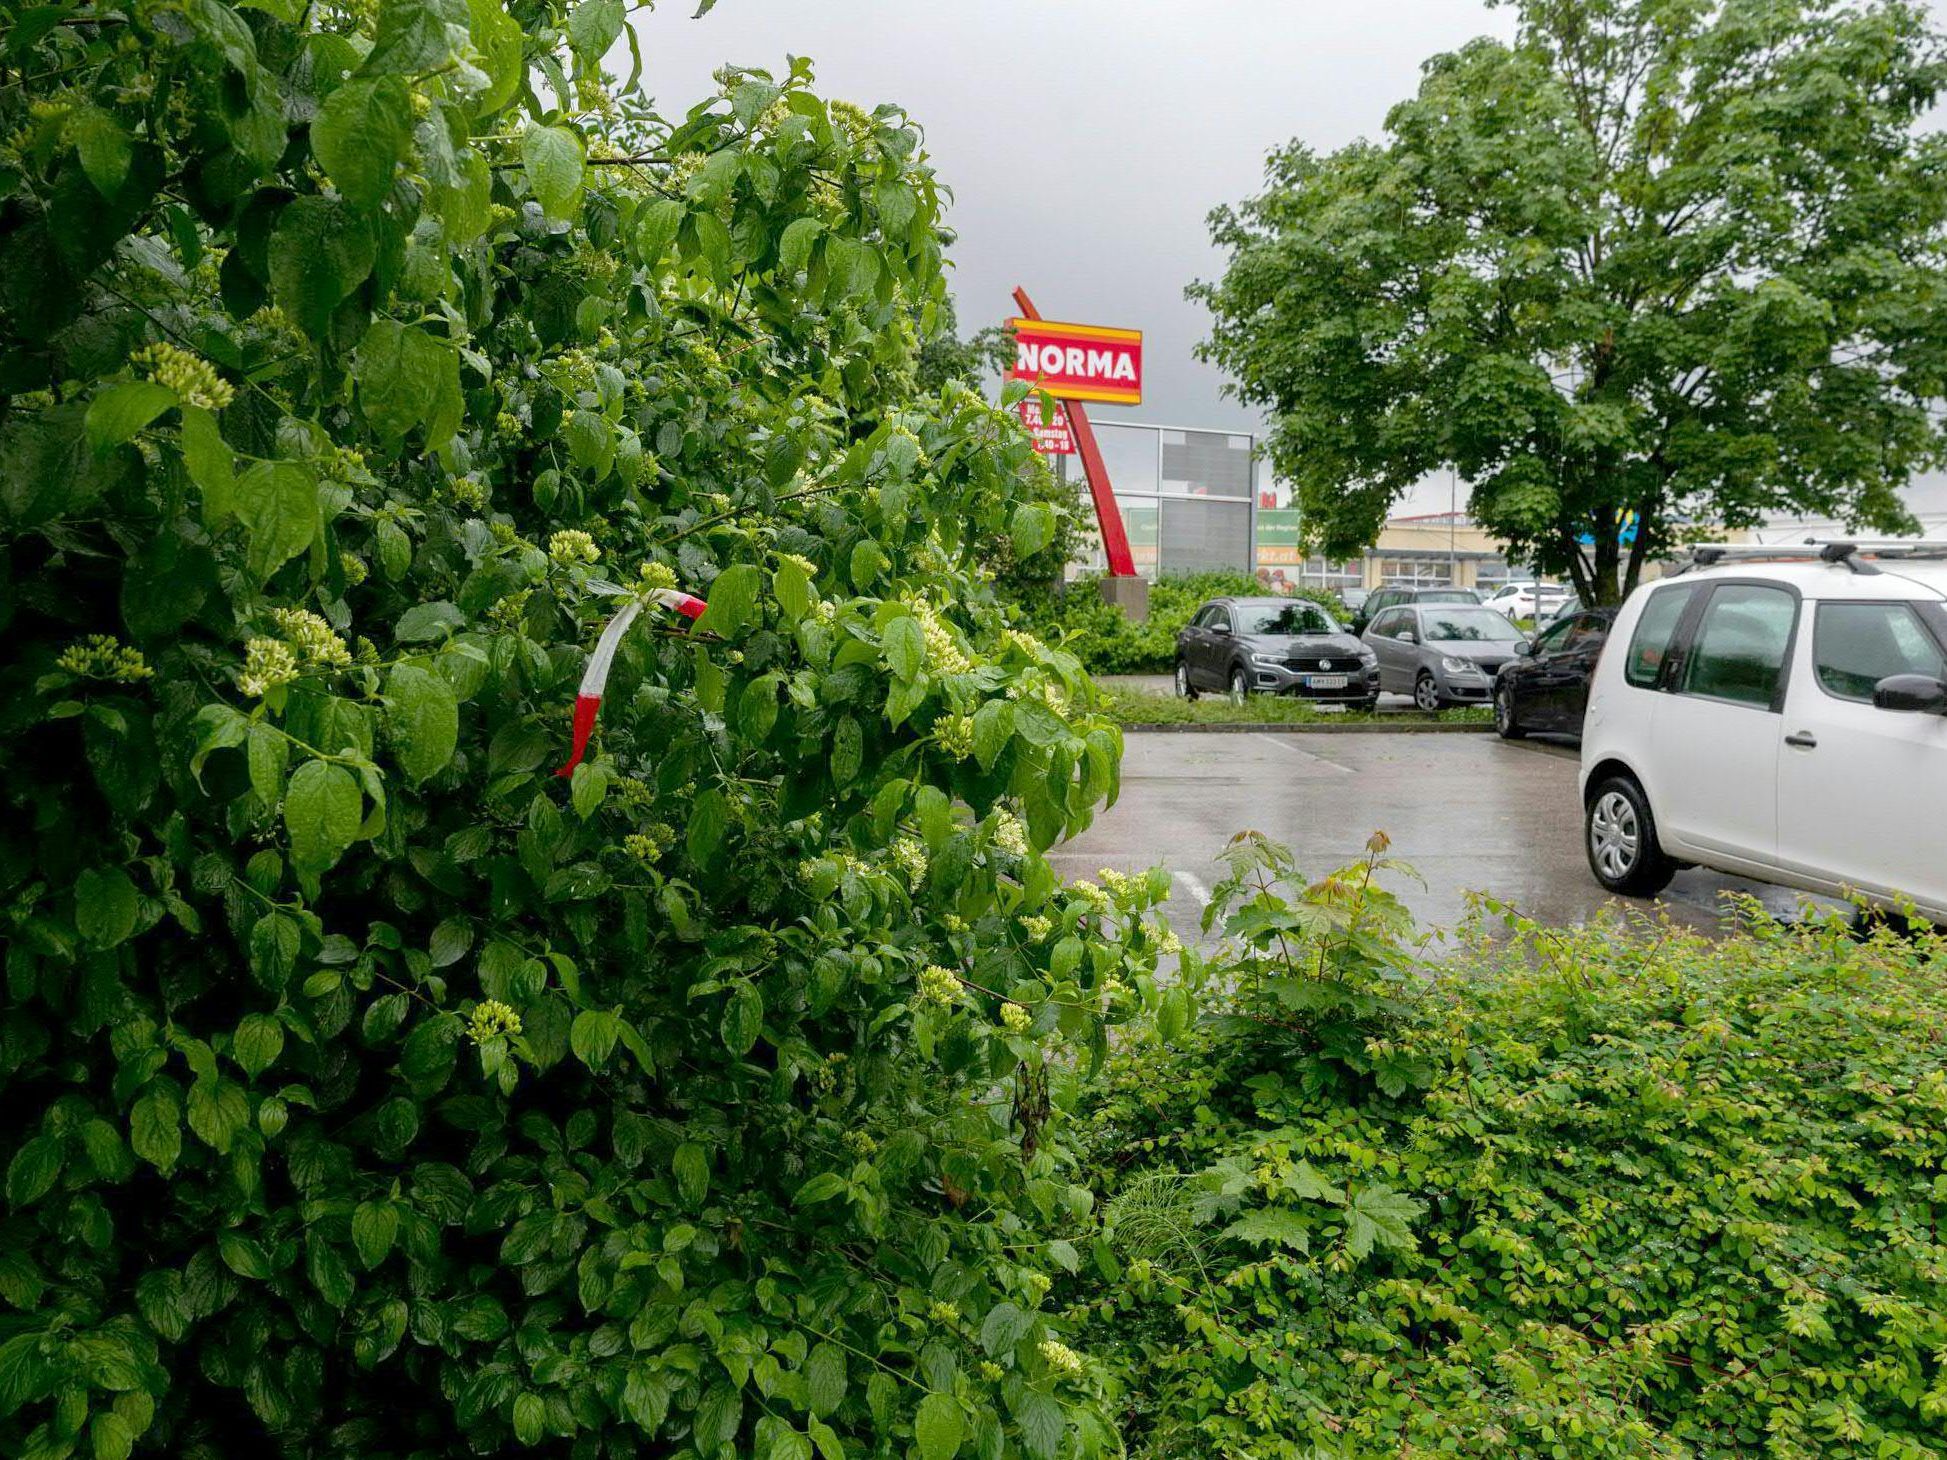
(1357, 727)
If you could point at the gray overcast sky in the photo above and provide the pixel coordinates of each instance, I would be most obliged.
(1085, 141)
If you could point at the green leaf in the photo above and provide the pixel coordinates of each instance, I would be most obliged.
(939, 1427)
(1032, 528)
(110, 1436)
(361, 135)
(422, 719)
(218, 1112)
(321, 251)
(743, 1018)
(243, 1256)
(258, 1042)
(321, 813)
(905, 645)
(406, 378)
(691, 1165)
(1277, 1226)
(552, 159)
(211, 463)
(993, 727)
(268, 755)
(709, 816)
(105, 906)
(657, 231)
(593, 26)
(530, 1416)
(120, 411)
(105, 149)
(1005, 1325)
(848, 751)
(375, 1225)
(278, 503)
(1042, 1424)
(822, 1187)
(499, 40)
(592, 1037)
(155, 1127)
(794, 246)
(1376, 1214)
(733, 600)
(33, 1171)
(824, 1378)
(791, 586)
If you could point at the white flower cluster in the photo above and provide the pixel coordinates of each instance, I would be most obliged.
(311, 637)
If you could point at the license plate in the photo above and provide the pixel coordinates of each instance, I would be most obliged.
(1325, 681)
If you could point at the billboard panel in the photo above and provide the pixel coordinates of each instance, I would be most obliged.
(1079, 361)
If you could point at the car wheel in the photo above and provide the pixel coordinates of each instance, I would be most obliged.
(1240, 684)
(1184, 689)
(1620, 835)
(1504, 721)
(1426, 693)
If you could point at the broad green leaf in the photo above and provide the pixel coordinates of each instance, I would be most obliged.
(322, 249)
(552, 159)
(105, 149)
(243, 1255)
(794, 245)
(743, 1018)
(321, 814)
(848, 751)
(375, 1224)
(1032, 528)
(593, 1037)
(1278, 1226)
(709, 816)
(905, 646)
(218, 1112)
(791, 586)
(939, 1427)
(498, 40)
(993, 727)
(155, 1127)
(1376, 1214)
(1005, 1325)
(824, 1378)
(594, 26)
(258, 1042)
(106, 905)
(733, 600)
(33, 1171)
(361, 135)
(691, 1165)
(1042, 1424)
(110, 1436)
(120, 411)
(422, 720)
(657, 231)
(530, 1418)
(211, 463)
(406, 378)
(278, 503)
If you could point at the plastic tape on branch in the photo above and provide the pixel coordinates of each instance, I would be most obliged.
(588, 699)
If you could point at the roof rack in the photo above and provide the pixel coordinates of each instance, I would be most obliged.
(1850, 553)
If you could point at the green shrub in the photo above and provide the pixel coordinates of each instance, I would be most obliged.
(372, 1090)
(1620, 1190)
(1074, 616)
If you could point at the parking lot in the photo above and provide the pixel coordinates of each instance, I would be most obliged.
(1468, 812)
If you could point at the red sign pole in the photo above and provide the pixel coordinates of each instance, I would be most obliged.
(1115, 541)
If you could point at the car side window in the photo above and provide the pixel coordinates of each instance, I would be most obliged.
(1383, 621)
(1554, 638)
(1856, 645)
(1649, 646)
(1742, 639)
(1585, 632)
(1206, 616)
(1220, 617)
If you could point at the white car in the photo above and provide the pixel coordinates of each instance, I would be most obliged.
(1540, 601)
(1780, 714)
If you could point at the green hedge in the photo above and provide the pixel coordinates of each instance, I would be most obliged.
(1597, 1192)
(1108, 643)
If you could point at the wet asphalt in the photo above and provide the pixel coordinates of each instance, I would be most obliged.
(1469, 812)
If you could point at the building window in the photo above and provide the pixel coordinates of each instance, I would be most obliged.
(1402, 572)
(1323, 573)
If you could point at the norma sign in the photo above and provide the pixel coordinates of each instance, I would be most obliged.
(1079, 361)
(1051, 438)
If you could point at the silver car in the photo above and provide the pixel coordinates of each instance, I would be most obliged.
(1442, 654)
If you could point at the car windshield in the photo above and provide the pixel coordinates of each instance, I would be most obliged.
(1467, 625)
(1286, 618)
(1450, 595)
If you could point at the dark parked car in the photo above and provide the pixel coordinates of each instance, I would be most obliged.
(1381, 599)
(1274, 645)
(1546, 689)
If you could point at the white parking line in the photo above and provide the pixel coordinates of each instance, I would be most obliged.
(1193, 885)
(1289, 748)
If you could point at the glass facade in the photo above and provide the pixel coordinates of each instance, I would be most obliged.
(1186, 497)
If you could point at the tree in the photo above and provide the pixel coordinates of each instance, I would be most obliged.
(1651, 267)
(371, 1088)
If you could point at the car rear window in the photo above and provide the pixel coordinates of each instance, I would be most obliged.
(1473, 625)
(1741, 644)
(1649, 646)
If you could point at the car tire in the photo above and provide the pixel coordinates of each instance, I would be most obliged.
(1184, 689)
(1505, 724)
(1240, 682)
(1426, 694)
(1619, 834)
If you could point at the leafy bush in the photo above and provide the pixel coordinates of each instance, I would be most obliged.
(1612, 1191)
(371, 1089)
(1106, 642)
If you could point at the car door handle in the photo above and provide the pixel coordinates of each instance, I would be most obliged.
(1803, 739)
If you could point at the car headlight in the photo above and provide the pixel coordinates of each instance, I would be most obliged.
(1367, 657)
(1459, 666)
(1270, 661)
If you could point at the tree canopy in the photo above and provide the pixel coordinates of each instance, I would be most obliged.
(371, 1089)
(1657, 264)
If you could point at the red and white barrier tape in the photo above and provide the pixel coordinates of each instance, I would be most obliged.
(588, 699)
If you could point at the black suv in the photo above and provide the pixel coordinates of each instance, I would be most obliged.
(1276, 645)
(1381, 599)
